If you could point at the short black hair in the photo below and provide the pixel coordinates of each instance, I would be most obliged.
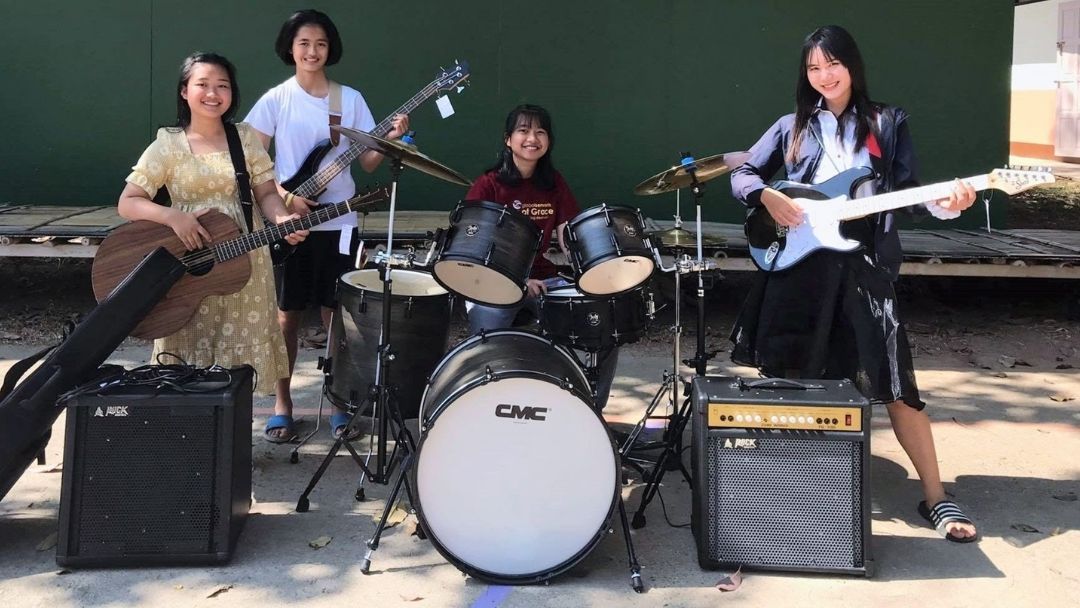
(283, 45)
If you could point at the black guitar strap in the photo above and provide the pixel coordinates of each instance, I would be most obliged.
(243, 180)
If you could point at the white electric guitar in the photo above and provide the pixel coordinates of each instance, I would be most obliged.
(829, 207)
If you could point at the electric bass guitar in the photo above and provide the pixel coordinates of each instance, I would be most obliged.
(831, 213)
(310, 181)
(220, 269)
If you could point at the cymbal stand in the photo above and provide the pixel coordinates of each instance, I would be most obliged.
(671, 445)
(387, 417)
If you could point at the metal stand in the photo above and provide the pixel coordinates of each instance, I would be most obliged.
(387, 418)
(671, 445)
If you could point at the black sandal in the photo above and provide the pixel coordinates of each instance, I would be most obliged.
(944, 513)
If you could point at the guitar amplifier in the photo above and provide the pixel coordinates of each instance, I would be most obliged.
(781, 475)
(157, 474)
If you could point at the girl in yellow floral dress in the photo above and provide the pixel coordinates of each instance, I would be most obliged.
(192, 161)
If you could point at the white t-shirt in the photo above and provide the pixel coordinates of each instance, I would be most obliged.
(297, 122)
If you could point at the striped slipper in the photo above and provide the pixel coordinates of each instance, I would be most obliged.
(944, 513)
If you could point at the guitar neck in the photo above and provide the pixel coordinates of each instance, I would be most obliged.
(318, 182)
(905, 198)
(240, 245)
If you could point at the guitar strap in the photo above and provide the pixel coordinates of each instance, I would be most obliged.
(243, 180)
(335, 111)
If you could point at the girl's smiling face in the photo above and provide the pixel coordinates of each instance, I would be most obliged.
(830, 78)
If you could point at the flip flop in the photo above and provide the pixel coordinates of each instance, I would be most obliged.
(944, 513)
(279, 421)
(339, 422)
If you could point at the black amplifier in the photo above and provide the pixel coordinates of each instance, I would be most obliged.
(781, 475)
(157, 474)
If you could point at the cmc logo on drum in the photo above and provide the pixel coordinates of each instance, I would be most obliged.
(521, 412)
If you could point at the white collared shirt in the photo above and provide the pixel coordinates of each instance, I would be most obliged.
(838, 146)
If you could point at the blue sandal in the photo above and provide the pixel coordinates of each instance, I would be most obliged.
(339, 423)
(279, 421)
(944, 513)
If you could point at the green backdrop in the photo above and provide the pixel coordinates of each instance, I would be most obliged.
(630, 83)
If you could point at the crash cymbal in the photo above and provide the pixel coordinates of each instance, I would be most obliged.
(679, 237)
(678, 177)
(407, 154)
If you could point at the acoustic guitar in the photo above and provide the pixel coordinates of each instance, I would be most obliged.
(220, 269)
(310, 181)
(831, 214)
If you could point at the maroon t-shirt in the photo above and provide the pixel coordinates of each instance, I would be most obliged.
(548, 208)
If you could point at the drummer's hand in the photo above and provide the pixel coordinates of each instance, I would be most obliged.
(784, 211)
(536, 287)
(399, 125)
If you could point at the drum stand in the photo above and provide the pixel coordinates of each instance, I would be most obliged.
(671, 445)
(386, 415)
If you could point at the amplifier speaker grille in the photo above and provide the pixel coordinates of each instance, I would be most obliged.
(155, 476)
(786, 503)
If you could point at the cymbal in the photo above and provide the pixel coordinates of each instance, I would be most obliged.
(679, 237)
(407, 154)
(678, 177)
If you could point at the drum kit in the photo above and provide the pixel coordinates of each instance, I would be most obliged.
(515, 477)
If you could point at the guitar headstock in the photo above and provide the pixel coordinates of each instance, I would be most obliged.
(457, 77)
(1012, 180)
(369, 198)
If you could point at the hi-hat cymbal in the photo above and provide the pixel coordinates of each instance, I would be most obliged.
(407, 154)
(679, 237)
(678, 177)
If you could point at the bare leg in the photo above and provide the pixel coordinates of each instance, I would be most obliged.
(289, 320)
(912, 428)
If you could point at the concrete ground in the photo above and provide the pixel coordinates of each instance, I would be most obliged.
(1008, 452)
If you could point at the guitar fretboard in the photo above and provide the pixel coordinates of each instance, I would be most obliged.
(317, 182)
(906, 198)
(242, 244)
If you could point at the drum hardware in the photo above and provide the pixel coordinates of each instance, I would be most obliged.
(691, 173)
(382, 394)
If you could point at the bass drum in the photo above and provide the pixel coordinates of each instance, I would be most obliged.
(516, 474)
(419, 331)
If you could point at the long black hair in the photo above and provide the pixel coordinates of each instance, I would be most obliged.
(835, 43)
(183, 111)
(283, 44)
(505, 169)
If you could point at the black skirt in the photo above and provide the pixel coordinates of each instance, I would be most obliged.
(834, 315)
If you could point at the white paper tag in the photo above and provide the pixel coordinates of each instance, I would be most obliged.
(345, 240)
(446, 109)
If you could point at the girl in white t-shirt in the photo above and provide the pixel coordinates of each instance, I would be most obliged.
(295, 115)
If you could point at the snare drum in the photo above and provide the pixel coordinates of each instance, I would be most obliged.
(592, 323)
(419, 331)
(609, 250)
(487, 253)
(516, 474)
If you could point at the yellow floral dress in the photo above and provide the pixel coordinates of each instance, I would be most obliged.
(225, 330)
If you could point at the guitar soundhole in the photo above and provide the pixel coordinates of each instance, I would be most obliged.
(200, 268)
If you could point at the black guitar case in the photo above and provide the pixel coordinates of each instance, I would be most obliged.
(27, 411)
